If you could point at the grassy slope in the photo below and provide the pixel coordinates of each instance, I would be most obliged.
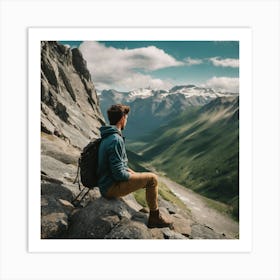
(200, 150)
(136, 162)
(165, 193)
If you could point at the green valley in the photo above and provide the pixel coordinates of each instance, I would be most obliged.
(200, 150)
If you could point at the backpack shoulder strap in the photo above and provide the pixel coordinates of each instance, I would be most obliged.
(77, 179)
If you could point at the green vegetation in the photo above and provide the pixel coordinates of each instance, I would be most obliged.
(140, 197)
(136, 162)
(166, 194)
(219, 206)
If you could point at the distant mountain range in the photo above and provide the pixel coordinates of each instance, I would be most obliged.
(151, 109)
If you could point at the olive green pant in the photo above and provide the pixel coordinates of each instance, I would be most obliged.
(135, 182)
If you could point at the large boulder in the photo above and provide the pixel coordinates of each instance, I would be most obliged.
(128, 229)
(98, 218)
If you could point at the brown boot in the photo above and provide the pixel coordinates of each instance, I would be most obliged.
(157, 220)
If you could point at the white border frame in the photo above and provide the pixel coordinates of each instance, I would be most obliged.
(243, 35)
(263, 17)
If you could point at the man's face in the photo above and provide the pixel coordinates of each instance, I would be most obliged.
(123, 121)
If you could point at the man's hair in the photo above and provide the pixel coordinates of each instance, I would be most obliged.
(116, 112)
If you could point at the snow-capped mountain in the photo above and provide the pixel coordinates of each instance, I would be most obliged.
(143, 93)
(140, 93)
(192, 90)
(127, 97)
(152, 108)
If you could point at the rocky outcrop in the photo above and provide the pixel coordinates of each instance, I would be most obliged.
(69, 103)
(100, 218)
(70, 117)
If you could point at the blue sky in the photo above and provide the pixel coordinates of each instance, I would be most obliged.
(128, 65)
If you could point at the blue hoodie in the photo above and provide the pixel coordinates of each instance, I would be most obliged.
(112, 159)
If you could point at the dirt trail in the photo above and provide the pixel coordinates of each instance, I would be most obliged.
(201, 212)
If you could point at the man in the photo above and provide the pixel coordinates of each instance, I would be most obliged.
(115, 178)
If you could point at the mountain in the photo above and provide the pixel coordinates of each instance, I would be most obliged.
(200, 150)
(151, 109)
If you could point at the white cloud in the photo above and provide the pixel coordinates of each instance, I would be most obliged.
(119, 68)
(226, 62)
(134, 81)
(192, 61)
(225, 84)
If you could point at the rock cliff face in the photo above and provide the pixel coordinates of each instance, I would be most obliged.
(70, 117)
(69, 104)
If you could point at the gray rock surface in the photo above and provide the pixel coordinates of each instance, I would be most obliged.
(70, 117)
(69, 103)
(204, 232)
(128, 229)
(54, 218)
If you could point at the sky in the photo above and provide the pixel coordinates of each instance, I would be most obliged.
(129, 65)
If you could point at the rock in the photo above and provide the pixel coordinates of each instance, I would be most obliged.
(57, 169)
(54, 220)
(182, 225)
(131, 201)
(83, 201)
(171, 208)
(204, 232)
(70, 106)
(47, 126)
(53, 225)
(94, 194)
(79, 63)
(157, 233)
(57, 191)
(145, 210)
(128, 229)
(170, 234)
(140, 217)
(67, 206)
(98, 218)
(46, 178)
(58, 149)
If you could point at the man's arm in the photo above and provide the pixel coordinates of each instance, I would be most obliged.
(117, 162)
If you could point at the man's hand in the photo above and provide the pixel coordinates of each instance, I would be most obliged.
(130, 171)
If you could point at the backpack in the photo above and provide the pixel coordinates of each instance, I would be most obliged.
(87, 169)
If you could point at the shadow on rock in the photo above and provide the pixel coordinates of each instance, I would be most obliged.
(103, 218)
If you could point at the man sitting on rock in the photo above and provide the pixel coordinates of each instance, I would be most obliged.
(115, 178)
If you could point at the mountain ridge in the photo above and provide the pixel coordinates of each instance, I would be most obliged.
(187, 90)
(151, 109)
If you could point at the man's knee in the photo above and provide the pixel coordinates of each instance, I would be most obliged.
(153, 178)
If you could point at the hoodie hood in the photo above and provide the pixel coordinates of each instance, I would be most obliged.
(108, 130)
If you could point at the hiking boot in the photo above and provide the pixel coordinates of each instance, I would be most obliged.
(157, 220)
